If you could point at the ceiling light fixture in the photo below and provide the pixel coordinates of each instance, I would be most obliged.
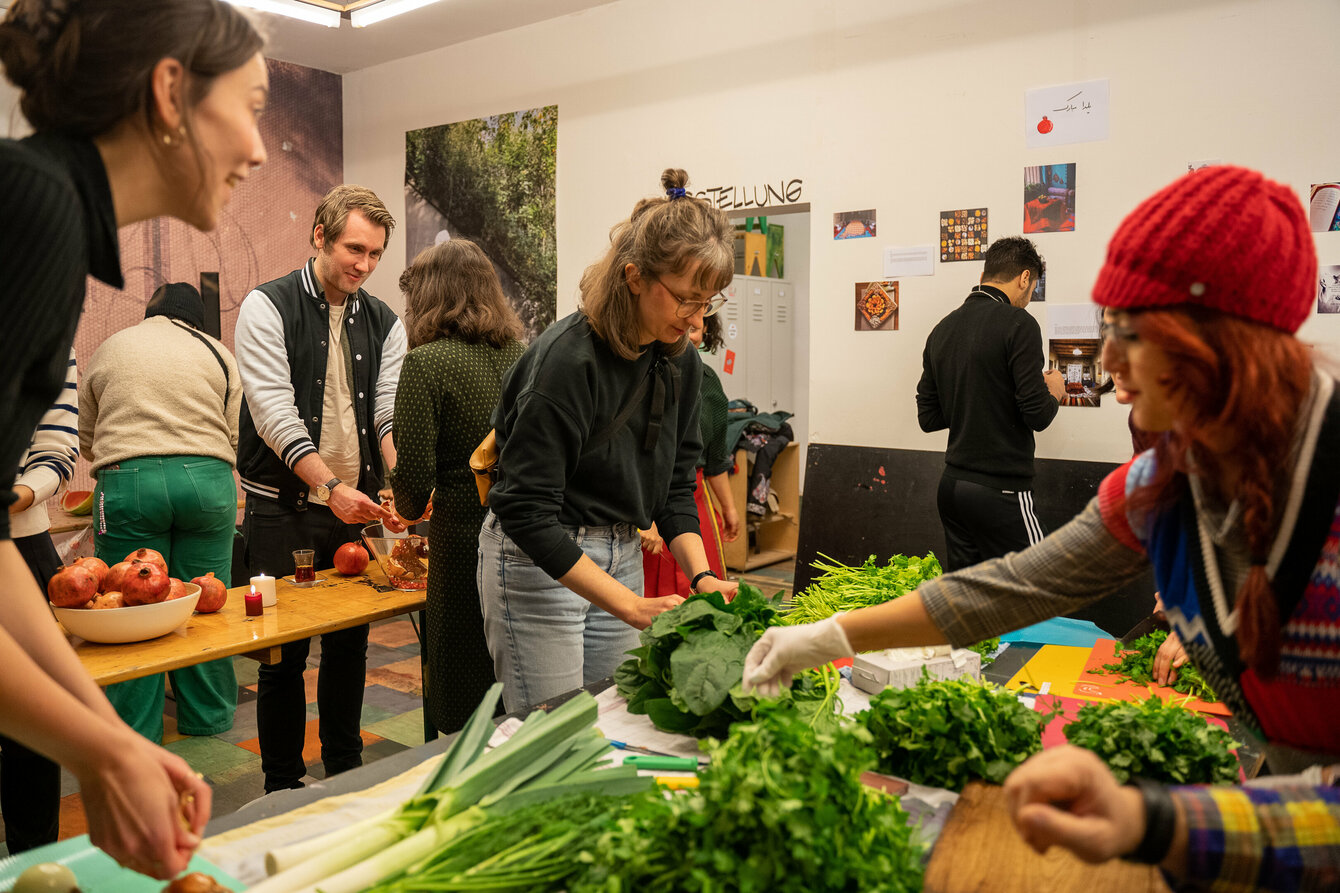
(295, 10)
(383, 10)
(1077, 351)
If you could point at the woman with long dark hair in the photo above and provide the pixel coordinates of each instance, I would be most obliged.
(141, 108)
(463, 336)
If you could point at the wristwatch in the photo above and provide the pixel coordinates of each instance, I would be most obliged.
(323, 490)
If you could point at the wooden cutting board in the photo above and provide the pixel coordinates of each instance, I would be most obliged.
(980, 851)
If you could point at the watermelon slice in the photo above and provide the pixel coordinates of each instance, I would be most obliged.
(77, 502)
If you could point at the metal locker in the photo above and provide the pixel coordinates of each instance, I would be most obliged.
(758, 343)
(730, 357)
(782, 327)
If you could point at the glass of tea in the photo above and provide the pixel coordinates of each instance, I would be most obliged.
(304, 566)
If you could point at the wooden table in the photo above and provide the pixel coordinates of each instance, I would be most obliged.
(338, 603)
(980, 850)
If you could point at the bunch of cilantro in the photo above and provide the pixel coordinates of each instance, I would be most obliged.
(946, 733)
(781, 808)
(687, 673)
(1155, 740)
(1137, 665)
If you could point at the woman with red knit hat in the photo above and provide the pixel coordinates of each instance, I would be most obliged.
(1237, 508)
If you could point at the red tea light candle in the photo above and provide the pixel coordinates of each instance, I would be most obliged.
(254, 602)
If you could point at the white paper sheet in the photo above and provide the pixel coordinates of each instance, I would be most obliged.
(909, 260)
(1065, 114)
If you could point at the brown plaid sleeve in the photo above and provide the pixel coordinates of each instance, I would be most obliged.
(1076, 565)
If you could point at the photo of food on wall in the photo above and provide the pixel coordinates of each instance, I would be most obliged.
(854, 224)
(963, 234)
(1049, 198)
(877, 306)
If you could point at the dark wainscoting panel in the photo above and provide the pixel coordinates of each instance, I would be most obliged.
(862, 501)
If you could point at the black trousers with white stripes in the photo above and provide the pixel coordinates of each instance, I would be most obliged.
(983, 522)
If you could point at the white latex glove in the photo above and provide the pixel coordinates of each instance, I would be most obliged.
(786, 650)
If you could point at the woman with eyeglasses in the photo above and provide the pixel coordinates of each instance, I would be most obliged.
(598, 437)
(1237, 510)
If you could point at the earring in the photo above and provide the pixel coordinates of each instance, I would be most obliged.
(167, 139)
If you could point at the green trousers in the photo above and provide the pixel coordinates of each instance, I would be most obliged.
(186, 508)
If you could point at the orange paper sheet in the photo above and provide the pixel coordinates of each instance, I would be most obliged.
(1096, 683)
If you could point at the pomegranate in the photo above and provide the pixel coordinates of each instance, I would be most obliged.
(111, 581)
(107, 600)
(145, 584)
(97, 565)
(350, 559)
(149, 556)
(72, 586)
(176, 589)
(213, 594)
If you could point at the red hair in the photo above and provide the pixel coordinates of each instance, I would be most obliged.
(1237, 387)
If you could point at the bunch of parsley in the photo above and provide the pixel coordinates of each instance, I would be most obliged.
(686, 675)
(946, 733)
(1155, 740)
(1137, 665)
(781, 808)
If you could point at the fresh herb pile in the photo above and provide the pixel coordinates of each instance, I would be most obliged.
(780, 808)
(1155, 740)
(844, 588)
(686, 675)
(1137, 665)
(946, 733)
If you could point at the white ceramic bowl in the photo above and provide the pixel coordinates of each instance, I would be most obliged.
(132, 624)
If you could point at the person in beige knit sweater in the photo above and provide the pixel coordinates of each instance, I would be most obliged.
(158, 421)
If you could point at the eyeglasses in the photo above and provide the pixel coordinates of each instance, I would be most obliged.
(1122, 335)
(689, 308)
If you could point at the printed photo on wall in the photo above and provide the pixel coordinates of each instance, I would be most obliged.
(492, 181)
(877, 306)
(1049, 198)
(1040, 290)
(1324, 207)
(1075, 347)
(1328, 289)
(854, 224)
(962, 234)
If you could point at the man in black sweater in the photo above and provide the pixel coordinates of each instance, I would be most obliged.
(982, 379)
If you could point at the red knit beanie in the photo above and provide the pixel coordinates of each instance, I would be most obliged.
(1222, 237)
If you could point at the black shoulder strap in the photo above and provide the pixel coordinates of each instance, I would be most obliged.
(227, 380)
(621, 419)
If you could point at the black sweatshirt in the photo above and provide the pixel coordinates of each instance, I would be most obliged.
(982, 379)
(565, 390)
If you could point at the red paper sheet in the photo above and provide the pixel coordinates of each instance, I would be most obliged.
(1103, 684)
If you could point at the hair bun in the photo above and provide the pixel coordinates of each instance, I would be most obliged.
(674, 178)
(43, 20)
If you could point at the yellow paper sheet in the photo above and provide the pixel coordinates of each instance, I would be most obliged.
(1060, 667)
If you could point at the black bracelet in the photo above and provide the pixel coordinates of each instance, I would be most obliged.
(693, 586)
(1160, 823)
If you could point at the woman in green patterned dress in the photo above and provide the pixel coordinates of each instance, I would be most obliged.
(463, 335)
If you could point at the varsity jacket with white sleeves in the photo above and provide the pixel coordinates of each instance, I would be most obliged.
(280, 344)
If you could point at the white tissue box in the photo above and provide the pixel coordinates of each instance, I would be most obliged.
(901, 667)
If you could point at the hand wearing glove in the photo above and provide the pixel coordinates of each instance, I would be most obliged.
(786, 650)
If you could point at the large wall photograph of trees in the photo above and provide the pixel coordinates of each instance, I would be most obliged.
(492, 181)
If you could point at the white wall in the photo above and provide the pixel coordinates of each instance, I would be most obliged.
(909, 107)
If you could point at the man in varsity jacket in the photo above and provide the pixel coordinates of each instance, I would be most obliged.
(982, 379)
(319, 359)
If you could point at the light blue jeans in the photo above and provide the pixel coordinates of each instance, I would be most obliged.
(546, 639)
